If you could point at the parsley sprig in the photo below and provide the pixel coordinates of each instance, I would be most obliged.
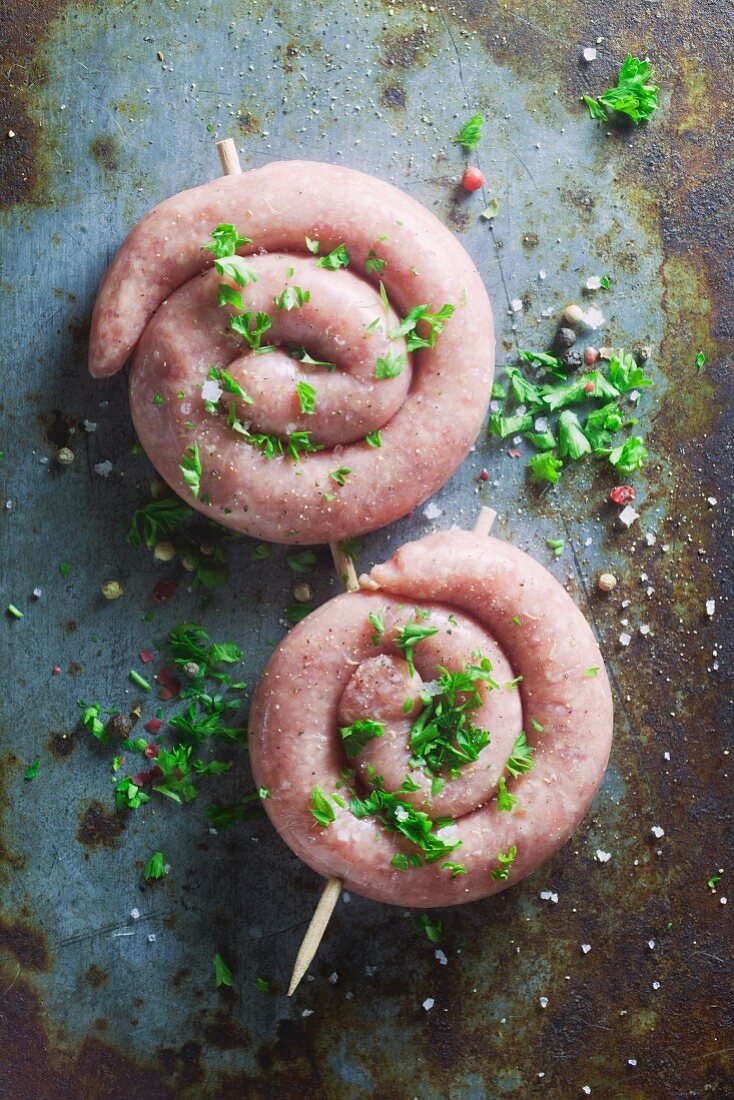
(408, 637)
(408, 327)
(634, 94)
(399, 816)
(443, 737)
(470, 133)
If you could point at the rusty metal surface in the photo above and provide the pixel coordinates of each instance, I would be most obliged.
(116, 106)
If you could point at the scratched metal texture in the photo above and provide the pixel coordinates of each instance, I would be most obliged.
(116, 106)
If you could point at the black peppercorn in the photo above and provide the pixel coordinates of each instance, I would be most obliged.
(572, 359)
(565, 337)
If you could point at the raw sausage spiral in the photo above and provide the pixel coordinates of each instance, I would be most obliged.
(483, 596)
(159, 298)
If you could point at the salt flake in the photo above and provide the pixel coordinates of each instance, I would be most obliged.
(428, 1004)
(211, 390)
(586, 948)
(628, 516)
(589, 55)
(440, 955)
(625, 638)
(104, 469)
(516, 305)
(710, 607)
(432, 511)
(549, 895)
(657, 831)
(543, 1002)
(135, 913)
(602, 856)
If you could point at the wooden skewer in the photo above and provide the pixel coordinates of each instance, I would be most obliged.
(228, 157)
(332, 890)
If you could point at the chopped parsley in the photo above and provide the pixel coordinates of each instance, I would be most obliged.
(359, 734)
(237, 269)
(700, 361)
(435, 322)
(252, 328)
(222, 973)
(262, 985)
(228, 383)
(225, 241)
(521, 757)
(306, 398)
(392, 365)
(545, 467)
(292, 298)
(505, 800)
(557, 546)
(190, 467)
(92, 722)
(409, 636)
(155, 867)
(589, 673)
(378, 624)
(158, 399)
(373, 439)
(443, 737)
(156, 521)
(634, 93)
(313, 246)
(321, 809)
(470, 133)
(302, 562)
(336, 259)
(32, 771)
(303, 357)
(399, 816)
(504, 861)
(373, 264)
(432, 926)
(630, 456)
(340, 476)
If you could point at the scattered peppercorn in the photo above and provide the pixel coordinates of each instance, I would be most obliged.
(589, 387)
(572, 359)
(119, 727)
(164, 551)
(622, 494)
(484, 475)
(565, 337)
(607, 581)
(573, 314)
(590, 356)
(472, 179)
(65, 457)
(112, 590)
(303, 593)
(190, 670)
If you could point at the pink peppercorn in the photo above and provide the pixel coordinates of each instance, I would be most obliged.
(484, 475)
(590, 356)
(472, 179)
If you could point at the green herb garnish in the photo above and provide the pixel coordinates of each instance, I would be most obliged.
(190, 467)
(306, 398)
(154, 868)
(443, 736)
(222, 973)
(321, 809)
(359, 734)
(502, 872)
(470, 133)
(292, 298)
(432, 926)
(392, 365)
(521, 757)
(32, 771)
(409, 636)
(633, 94)
(225, 241)
(435, 322)
(336, 259)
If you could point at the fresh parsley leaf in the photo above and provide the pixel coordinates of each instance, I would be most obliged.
(505, 861)
(302, 562)
(526, 392)
(630, 456)
(92, 722)
(600, 425)
(590, 673)
(378, 623)
(228, 383)
(470, 133)
(297, 612)
(400, 816)
(129, 796)
(228, 296)
(292, 298)
(222, 817)
(359, 734)
(340, 476)
(409, 636)
(252, 328)
(432, 926)
(502, 426)
(154, 868)
(336, 259)
(633, 94)
(572, 443)
(435, 322)
(313, 246)
(544, 441)
(542, 359)
(443, 736)
(222, 973)
(491, 210)
(32, 771)
(321, 809)
(575, 391)
(190, 467)
(556, 545)
(373, 264)
(373, 439)
(455, 869)
(236, 268)
(505, 800)
(158, 399)
(624, 373)
(303, 357)
(261, 552)
(545, 467)
(306, 398)
(225, 241)
(349, 547)
(390, 366)
(262, 985)
(156, 521)
(700, 361)
(521, 758)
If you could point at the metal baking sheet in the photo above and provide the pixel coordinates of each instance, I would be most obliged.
(112, 108)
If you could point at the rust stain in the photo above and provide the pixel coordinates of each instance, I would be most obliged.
(106, 152)
(61, 428)
(247, 122)
(407, 49)
(98, 826)
(95, 976)
(394, 97)
(25, 944)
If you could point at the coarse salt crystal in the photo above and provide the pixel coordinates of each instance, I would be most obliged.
(428, 1003)
(346, 896)
(494, 406)
(710, 607)
(712, 501)
(211, 390)
(644, 629)
(602, 856)
(593, 282)
(587, 1089)
(542, 274)
(650, 539)
(657, 831)
(631, 1061)
(649, 590)
(588, 54)
(37, 593)
(625, 638)
(593, 318)
(722, 901)
(651, 944)
(104, 469)
(633, 396)
(586, 948)
(135, 913)
(90, 426)
(541, 424)
(549, 895)
(432, 511)
(151, 937)
(440, 955)
(307, 1012)
(666, 755)
(401, 813)
(516, 305)
(334, 978)
(628, 516)
(543, 1002)
(656, 985)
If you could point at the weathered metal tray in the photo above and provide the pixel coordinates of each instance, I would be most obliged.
(110, 108)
